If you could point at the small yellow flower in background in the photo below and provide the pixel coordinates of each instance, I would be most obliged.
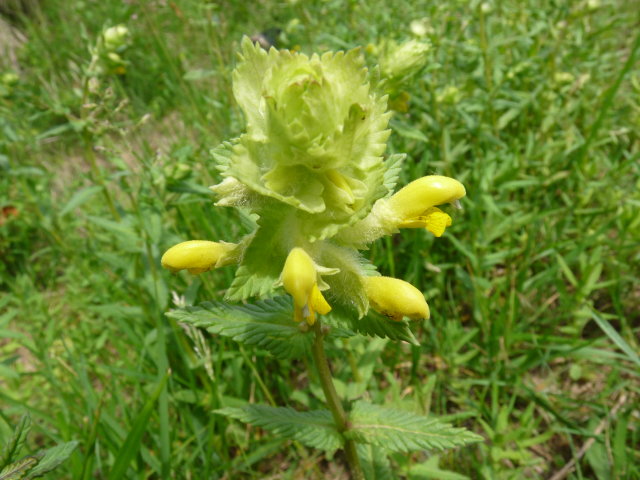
(300, 280)
(395, 298)
(198, 256)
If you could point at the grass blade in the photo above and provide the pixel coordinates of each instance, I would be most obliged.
(131, 445)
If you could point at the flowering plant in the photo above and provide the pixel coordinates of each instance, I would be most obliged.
(311, 170)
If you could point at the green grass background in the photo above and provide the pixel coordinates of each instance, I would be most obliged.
(534, 291)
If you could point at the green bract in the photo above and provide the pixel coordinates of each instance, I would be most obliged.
(401, 60)
(309, 164)
(316, 133)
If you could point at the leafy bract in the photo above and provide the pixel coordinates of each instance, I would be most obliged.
(330, 171)
(314, 428)
(267, 324)
(373, 325)
(401, 431)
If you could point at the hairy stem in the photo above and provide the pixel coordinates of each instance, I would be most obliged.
(333, 401)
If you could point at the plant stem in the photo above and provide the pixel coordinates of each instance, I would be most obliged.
(333, 401)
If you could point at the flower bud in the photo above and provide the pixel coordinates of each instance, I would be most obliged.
(198, 256)
(395, 298)
(300, 280)
(422, 194)
(115, 37)
(403, 60)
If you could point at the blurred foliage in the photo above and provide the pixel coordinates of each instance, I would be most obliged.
(533, 340)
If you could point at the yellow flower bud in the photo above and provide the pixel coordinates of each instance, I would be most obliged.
(395, 298)
(300, 280)
(426, 192)
(198, 256)
(414, 205)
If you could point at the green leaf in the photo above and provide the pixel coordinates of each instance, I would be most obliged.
(430, 469)
(268, 324)
(393, 167)
(314, 428)
(52, 457)
(401, 431)
(19, 469)
(12, 448)
(375, 462)
(262, 261)
(222, 154)
(408, 131)
(80, 197)
(615, 337)
(373, 325)
(133, 442)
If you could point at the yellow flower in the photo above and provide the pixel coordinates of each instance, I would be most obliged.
(415, 204)
(300, 279)
(395, 298)
(433, 219)
(198, 256)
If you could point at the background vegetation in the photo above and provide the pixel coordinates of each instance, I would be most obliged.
(534, 292)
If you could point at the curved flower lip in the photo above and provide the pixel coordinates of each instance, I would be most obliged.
(300, 279)
(434, 220)
(395, 298)
(198, 256)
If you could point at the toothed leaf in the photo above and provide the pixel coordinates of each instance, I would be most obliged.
(267, 324)
(373, 325)
(15, 443)
(314, 428)
(401, 431)
(52, 457)
(19, 469)
(375, 462)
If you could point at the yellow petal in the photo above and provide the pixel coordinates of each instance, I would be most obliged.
(395, 298)
(434, 220)
(422, 194)
(299, 275)
(197, 256)
(299, 279)
(318, 302)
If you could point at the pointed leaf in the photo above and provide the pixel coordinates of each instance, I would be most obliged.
(12, 448)
(19, 469)
(262, 260)
(314, 428)
(375, 462)
(401, 431)
(133, 442)
(268, 324)
(52, 457)
(79, 198)
(373, 325)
